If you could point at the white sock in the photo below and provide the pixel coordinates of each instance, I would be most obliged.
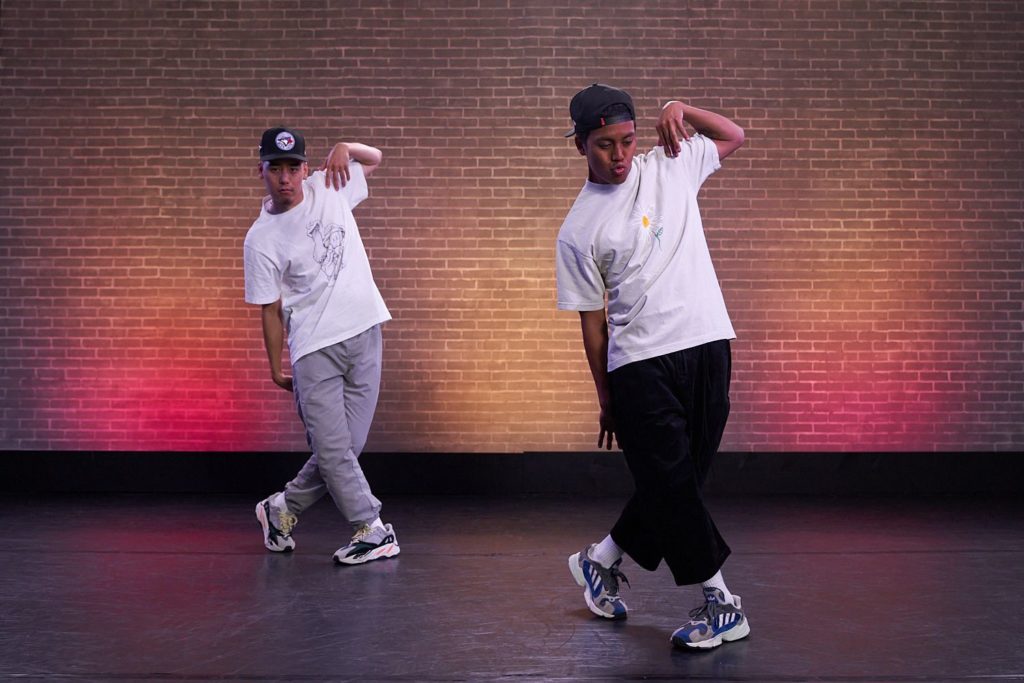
(718, 582)
(606, 553)
(377, 524)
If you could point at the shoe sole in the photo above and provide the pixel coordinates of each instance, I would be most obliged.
(577, 575)
(741, 631)
(381, 553)
(261, 517)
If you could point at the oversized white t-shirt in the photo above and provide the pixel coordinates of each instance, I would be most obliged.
(642, 244)
(312, 258)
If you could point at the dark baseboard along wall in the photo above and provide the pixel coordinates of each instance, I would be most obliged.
(574, 473)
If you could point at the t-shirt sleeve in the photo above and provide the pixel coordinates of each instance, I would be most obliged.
(355, 189)
(262, 278)
(579, 282)
(699, 157)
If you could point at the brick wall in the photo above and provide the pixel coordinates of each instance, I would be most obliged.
(869, 236)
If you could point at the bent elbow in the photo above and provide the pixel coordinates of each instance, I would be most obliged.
(740, 137)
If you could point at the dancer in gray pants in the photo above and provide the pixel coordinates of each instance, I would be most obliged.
(306, 267)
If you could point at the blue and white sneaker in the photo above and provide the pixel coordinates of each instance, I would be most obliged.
(368, 543)
(600, 584)
(716, 621)
(277, 526)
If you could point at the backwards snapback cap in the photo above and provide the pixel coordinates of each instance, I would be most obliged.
(282, 143)
(597, 106)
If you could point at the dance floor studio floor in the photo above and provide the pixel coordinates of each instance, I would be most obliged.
(130, 588)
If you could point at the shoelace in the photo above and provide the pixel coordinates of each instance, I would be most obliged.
(361, 533)
(287, 522)
(611, 578)
(706, 612)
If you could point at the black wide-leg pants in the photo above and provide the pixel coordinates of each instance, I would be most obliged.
(670, 413)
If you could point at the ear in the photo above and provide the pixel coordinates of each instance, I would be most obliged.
(305, 170)
(581, 146)
(259, 170)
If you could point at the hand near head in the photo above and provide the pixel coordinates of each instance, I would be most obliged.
(670, 128)
(336, 166)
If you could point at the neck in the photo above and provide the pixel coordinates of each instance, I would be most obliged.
(274, 207)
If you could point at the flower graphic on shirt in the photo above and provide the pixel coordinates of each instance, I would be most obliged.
(328, 247)
(648, 220)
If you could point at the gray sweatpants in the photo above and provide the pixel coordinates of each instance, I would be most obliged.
(336, 391)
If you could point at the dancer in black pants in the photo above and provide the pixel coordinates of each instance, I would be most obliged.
(632, 259)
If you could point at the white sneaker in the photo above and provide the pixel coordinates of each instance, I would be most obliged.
(369, 543)
(276, 537)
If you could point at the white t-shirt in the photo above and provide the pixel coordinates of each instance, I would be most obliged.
(312, 258)
(642, 243)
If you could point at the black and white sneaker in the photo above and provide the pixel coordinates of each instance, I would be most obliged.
(369, 543)
(277, 527)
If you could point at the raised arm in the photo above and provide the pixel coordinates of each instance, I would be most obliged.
(727, 136)
(336, 164)
(595, 343)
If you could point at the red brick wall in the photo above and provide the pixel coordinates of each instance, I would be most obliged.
(869, 236)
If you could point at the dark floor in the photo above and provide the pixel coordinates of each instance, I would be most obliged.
(158, 588)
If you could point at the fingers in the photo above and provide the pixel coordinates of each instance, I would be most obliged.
(335, 167)
(671, 129)
(607, 425)
(675, 130)
(667, 138)
(336, 175)
(663, 137)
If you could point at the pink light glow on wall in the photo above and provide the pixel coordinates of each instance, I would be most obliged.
(869, 236)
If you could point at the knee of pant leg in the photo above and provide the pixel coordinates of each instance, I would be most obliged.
(668, 471)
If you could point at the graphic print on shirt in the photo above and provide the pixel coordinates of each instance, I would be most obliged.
(328, 247)
(648, 220)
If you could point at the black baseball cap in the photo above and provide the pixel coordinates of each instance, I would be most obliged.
(599, 105)
(282, 143)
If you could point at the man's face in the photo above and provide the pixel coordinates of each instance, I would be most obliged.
(609, 151)
(283, 179)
